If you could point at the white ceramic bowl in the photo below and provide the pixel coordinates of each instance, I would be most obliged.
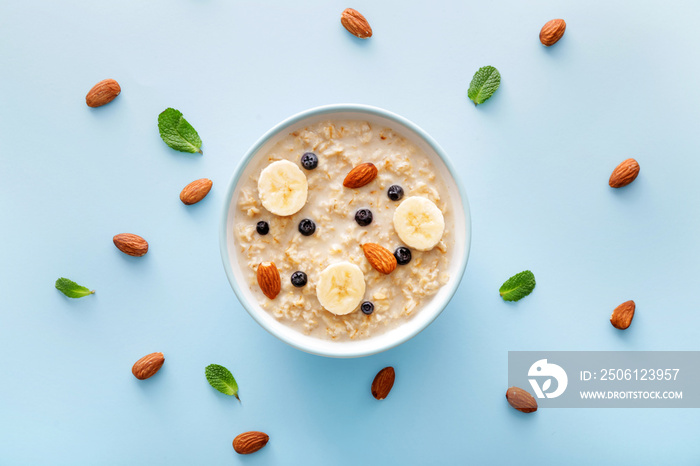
(429, 310)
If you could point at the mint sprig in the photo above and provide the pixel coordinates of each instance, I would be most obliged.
(484, 84)
(176, 132)
(221, 378)
(518, 286)
(72, 289)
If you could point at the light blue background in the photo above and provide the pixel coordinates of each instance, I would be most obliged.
(535, 160)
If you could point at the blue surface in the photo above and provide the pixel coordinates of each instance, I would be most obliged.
(535, 160)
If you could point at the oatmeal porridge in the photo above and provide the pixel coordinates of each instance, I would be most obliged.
(344, 229)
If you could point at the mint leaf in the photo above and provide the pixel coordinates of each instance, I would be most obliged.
(484, 84)
(518, 286)
(176, 132)
(72, 289)
(221, 378)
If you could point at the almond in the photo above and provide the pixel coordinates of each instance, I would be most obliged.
(130, 244)
(148, 365)
(356, 24)
(269, 279)
(521, 400)
(360, 175)
(195, 191)
(250, 442)
(383, 381)
(552, 31)
(622, 315)
(624, 174)
(102, 93)
(379, 257)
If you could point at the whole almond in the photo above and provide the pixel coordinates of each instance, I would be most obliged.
(356, 24)
(360, 175)
(250, 442)
(624, 174)
(552, 31)
(102, 93)
(148, 365)
(382, 383)
(521, 400)
(131, 244)
(195, 191)
(622, 316)
(269, 279)
(379, 257)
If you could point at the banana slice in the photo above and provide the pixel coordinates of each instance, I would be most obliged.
(282, 188)
(419, 223)
(340, 288)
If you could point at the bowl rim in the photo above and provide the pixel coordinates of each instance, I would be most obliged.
(313, 112)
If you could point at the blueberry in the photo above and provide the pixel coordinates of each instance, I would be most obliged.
(367, 307)
(363, 217)
(403, 255)
(309, 161)
(307, 227)
(263, 227)
(299, 279)
(395, 192)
